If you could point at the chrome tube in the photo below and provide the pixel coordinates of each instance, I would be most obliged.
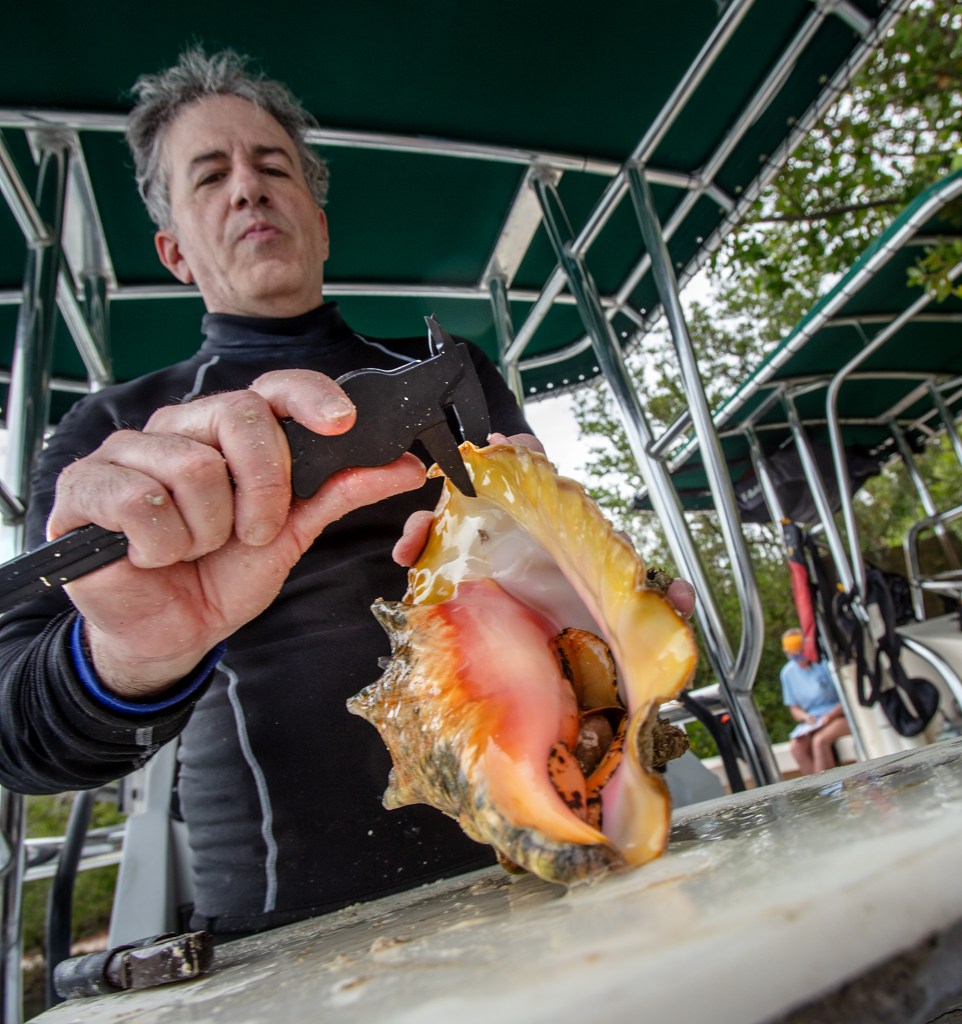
(27, 420)
(611, 360)
(760, 463)
(813, 476)
(504, 329)
(665, 502)
(18, 199)
(741, 679)
(614, 192)
(29, 399)
(925, 495)
(778, 516)
(345, 138)
(910, 549)
(773, 82)
(848, 13)
(11, 507)
(835, 430)
(671, 434)
(96, 313)
(13, 832)
(87, 324)
(863, 272)
(944, 669)
(704, 60)
(948, 421)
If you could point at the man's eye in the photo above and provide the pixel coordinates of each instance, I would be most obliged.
(210, 179)
(277, 172)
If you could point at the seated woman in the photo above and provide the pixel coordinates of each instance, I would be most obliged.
(810, 694)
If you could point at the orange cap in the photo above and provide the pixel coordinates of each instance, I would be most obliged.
(792, 641)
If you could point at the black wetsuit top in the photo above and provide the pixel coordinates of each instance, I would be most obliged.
(279, 785)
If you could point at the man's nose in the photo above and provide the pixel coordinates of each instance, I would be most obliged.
(248, 187)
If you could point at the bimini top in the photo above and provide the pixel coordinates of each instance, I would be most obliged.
(878, 350)
(434, 116)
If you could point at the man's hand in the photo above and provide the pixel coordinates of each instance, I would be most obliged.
(682, 595)
(415, 534)
(203, 494)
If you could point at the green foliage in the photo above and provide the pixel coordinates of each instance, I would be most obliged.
(888, 504)
(895, 131)
(932, 270)
(93, 891)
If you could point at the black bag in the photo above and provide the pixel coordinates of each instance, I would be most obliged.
(911, 702)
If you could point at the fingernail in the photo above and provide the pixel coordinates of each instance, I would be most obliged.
(336, 407)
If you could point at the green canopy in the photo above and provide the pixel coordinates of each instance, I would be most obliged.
(434, 116)
(876, 351)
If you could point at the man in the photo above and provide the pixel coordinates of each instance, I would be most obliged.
(240, 620)
(810, 695)
(279, 785)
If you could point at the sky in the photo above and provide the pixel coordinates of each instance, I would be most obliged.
(554, 422)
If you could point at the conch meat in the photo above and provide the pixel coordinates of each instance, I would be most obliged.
(529, 658)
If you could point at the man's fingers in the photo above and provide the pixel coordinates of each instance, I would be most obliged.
(243, 428)
(526, 440)
(134, 483)
(308, 397)
(352, 488)
(411, 542)
(682, 595)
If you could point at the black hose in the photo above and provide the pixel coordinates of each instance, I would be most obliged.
(60, 900)
(721, 736)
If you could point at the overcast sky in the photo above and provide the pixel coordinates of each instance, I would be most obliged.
(554, 423)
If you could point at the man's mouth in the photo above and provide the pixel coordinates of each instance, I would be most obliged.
(259, 231)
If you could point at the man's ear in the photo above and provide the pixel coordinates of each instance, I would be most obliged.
(170, 254)
(327, 238)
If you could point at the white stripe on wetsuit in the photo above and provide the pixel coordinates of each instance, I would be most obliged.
(387, 351)
(198, 384)
(267, 813)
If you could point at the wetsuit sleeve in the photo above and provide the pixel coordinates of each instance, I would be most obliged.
(54, 733)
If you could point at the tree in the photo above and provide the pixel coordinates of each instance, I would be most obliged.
(896, 130)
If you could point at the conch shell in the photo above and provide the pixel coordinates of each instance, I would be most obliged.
(495, 656)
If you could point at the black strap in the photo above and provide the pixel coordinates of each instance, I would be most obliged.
(724, 739)
(826, 594)
(911, 702)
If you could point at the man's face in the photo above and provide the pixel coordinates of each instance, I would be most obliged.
(245, 227)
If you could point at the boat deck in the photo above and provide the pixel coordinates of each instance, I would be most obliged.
(824, 898)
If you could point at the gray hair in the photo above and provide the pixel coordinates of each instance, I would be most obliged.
(161, 97)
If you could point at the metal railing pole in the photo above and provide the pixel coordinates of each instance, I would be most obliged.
(740, 681)
(13, 829)
(504, 330)
(27, 420)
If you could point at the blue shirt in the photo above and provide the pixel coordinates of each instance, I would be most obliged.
(810, 688)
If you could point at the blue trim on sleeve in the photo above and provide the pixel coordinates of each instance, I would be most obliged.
(95, 687)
